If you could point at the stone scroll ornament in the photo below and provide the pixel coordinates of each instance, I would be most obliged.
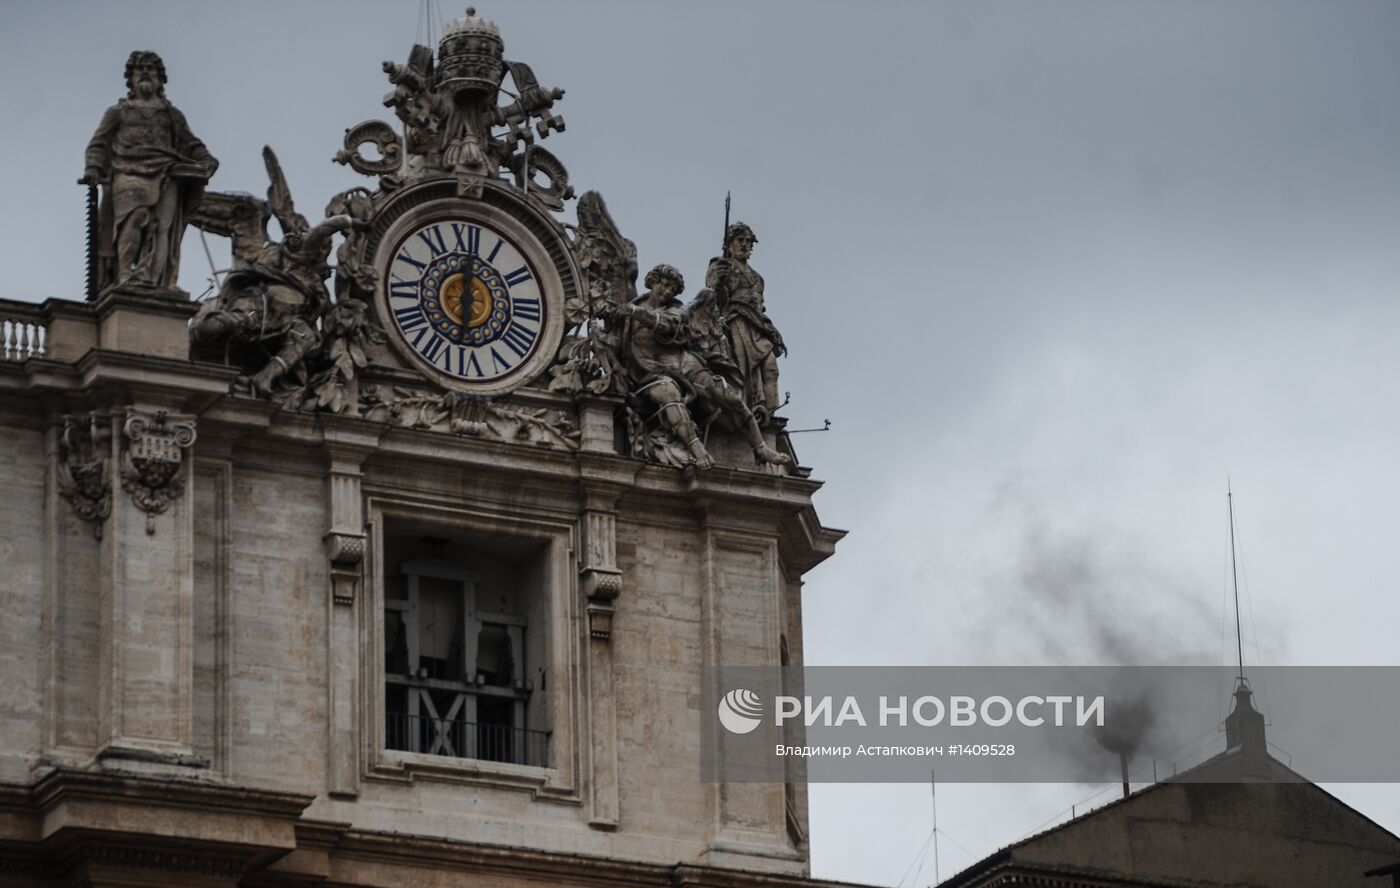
(154, 460)
(454, 122)
(83, 468)
(387, 145)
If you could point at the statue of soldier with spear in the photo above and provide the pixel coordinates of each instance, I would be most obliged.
(754, 342)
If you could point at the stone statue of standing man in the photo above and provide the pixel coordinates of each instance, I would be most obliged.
(153, 171)
(753, 340)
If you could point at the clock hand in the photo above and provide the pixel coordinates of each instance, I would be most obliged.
(468, 297)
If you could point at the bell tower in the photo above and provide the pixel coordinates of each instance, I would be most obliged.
(405, 553)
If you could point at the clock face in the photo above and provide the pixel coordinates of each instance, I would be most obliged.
(466, 303)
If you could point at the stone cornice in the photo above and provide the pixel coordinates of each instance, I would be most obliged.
(998, 871)
(53, 308)
(348, 440)
(101, 370)
(63, 785)
(747, 498)
(203, 389)
(74, 821)
(374, 858)
(117, 301)
(719, 484)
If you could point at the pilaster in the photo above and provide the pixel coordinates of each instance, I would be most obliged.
(347, 443)
(597, 424)
(600, 581)
(79, 504)
(741, 623)
(146, 591)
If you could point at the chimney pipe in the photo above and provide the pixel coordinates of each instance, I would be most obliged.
(1123, 763)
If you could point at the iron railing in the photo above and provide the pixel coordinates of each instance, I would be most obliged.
(467, 740)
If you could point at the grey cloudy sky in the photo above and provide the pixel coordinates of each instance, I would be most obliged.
(1053, 269)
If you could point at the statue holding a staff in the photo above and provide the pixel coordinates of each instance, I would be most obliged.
(152, 171)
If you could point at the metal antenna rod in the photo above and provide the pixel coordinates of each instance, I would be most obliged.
(933, 791)
(1234, 572)
(213, 272)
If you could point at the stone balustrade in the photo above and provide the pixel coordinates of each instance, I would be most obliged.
(56, 329)
(23, 331)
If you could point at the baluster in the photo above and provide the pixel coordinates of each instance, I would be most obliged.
(22, 339)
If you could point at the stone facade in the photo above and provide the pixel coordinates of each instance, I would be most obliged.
(194, 690)
(406, 579)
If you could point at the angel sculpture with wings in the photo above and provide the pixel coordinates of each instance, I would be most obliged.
(588, 361)
(269, 303)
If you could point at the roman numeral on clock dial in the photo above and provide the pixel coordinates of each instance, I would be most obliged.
(464, 300)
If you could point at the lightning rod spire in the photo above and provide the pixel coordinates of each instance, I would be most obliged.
(1234, 572)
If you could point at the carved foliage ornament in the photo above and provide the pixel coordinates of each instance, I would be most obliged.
(153, 462)
(83, 467)
(469, 417)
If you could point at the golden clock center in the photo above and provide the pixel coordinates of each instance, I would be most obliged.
(454, 288)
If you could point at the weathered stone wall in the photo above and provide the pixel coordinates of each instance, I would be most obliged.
(209, 644)
(276, 626)
(659, 650)
(22, 577)
(211, 614)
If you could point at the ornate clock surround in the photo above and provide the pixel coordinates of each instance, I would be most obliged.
(501, 207)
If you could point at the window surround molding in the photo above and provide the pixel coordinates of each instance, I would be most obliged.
(561, 782)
